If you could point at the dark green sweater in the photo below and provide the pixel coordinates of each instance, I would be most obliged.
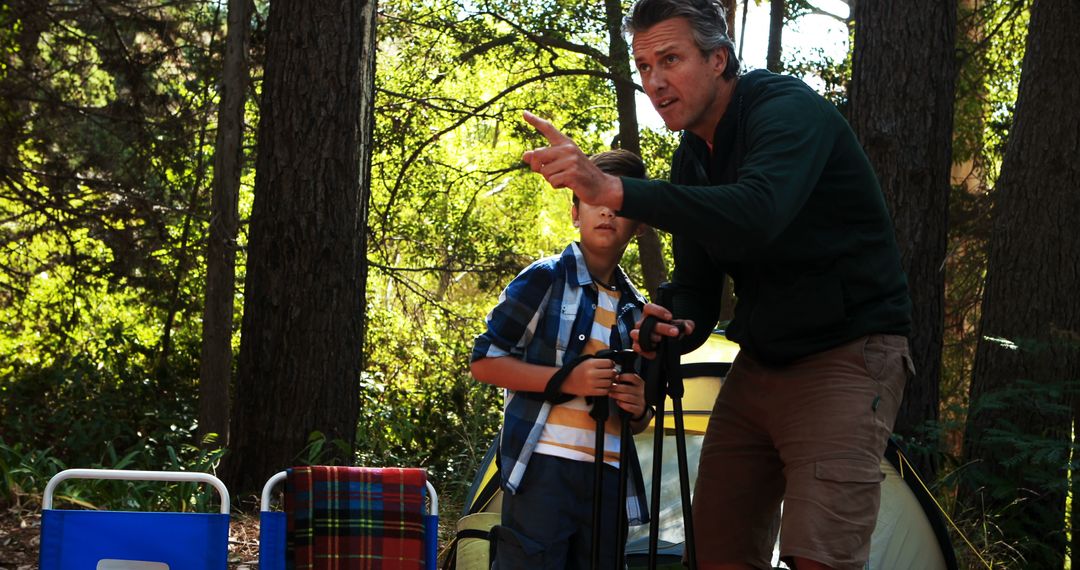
(789, 206)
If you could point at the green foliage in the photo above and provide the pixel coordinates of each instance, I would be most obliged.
(1046, 457)
(82, 384)
(991, 49)
(1026, 465)
(831, 74)
(107, 104)
(97, 400)
(26, 471)
(103, 149)
(322, 451)
(421, 407)
(454, 212)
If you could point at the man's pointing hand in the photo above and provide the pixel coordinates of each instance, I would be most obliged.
(563, 165)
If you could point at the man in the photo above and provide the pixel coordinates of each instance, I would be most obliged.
(770, 186)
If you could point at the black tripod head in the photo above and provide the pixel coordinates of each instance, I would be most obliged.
(625, 360)
(662, 372)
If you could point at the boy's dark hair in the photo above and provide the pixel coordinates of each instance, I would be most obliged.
(618, 162)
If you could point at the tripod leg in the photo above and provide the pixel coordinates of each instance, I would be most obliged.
(621, 521)
(657, 466)
(599, 413)
(684, 482)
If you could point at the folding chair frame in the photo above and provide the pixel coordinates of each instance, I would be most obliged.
(150, 539)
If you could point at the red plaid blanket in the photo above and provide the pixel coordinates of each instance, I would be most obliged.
(354, 517)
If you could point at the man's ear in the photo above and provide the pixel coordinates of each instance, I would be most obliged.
(719, 58)
(574, 216)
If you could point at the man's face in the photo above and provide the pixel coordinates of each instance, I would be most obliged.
(683, 84)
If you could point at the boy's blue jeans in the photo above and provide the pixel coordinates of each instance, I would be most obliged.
(548, 523)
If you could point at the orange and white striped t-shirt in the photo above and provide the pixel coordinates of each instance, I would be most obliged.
(570, 431)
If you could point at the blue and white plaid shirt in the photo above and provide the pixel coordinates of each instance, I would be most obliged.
(544, 317)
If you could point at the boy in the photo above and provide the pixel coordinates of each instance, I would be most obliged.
(554, 312)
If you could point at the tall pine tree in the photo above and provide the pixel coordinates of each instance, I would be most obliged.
(902, 89)
(302, 333)
(1027, 363)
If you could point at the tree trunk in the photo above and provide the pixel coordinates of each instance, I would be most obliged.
(731, 8)
(215, 363)
(650, 251)
(302, 332)
(776, 31)
(902, 110)
(1028, 358)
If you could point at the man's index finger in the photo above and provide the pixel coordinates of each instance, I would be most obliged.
(553, 135)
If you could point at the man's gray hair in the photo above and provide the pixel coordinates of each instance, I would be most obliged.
(707, 18)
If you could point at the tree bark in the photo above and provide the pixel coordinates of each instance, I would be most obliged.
(776, 31)
(902, 111)
(301, 337)
(731, 8)
(215, 363)
(1029, 344)
(650, 251)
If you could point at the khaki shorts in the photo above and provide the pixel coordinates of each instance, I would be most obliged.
(811, 434)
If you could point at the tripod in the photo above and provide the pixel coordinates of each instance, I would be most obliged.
(624, 360)
(663, 379)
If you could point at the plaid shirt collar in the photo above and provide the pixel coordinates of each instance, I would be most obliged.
(578, 273)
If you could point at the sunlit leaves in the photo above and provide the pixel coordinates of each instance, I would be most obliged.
(454, 213)
(991, 49)
(449, 190)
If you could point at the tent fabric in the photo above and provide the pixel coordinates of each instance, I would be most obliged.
(898, 464)
(909, 535)
(898, 541)
(485, 486)
(703, 371)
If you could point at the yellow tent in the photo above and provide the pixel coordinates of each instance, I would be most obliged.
(703, 373)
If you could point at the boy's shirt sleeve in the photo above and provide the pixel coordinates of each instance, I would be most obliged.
(513, 322)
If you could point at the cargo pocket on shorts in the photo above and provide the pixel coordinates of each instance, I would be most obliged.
(847, 499)
(849, 490)
(515, 550)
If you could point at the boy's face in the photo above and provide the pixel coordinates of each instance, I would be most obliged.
(601, 230)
